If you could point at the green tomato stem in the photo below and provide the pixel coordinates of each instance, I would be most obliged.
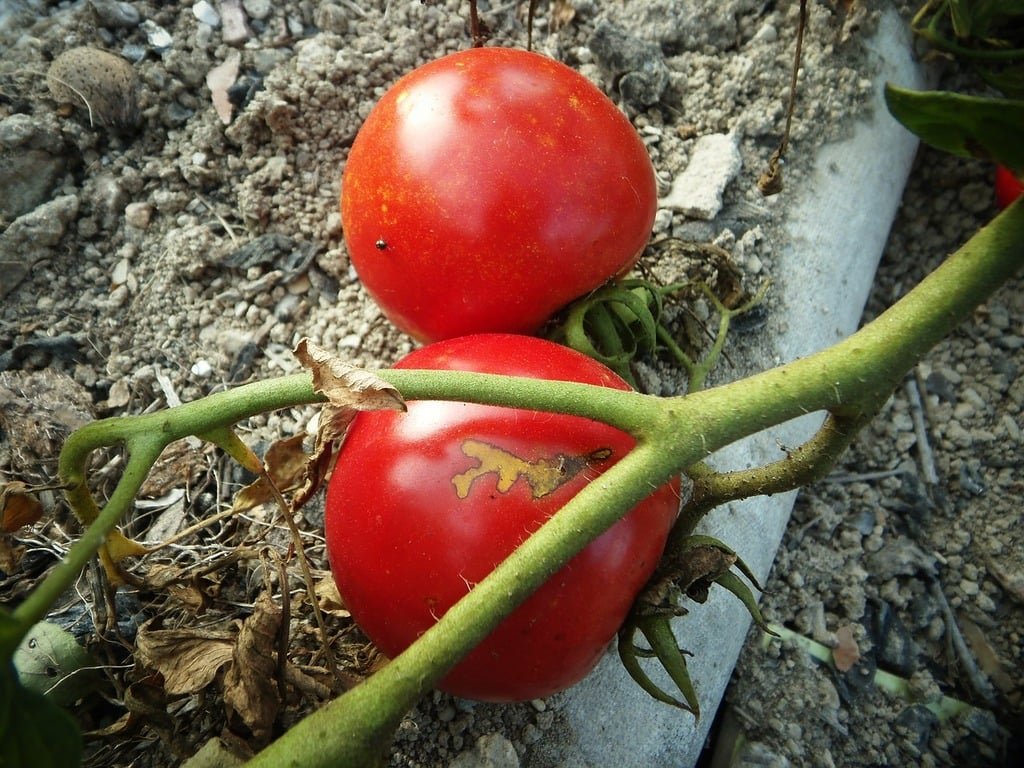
(848, 380)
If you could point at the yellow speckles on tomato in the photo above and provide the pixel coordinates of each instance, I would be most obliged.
(544, 476)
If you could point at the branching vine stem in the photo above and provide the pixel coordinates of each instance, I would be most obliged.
(848, 381)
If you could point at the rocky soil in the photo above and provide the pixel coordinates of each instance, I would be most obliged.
(169, 227)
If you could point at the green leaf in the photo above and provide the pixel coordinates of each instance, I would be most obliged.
(1009, 80)
(968, 126)
(11, 633)
(34, 731)
(960, 15)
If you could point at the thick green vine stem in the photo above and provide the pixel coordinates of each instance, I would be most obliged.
(848, 380)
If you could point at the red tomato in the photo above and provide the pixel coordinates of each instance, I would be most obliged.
(488, 189)
(424, 504)
(1008, 187)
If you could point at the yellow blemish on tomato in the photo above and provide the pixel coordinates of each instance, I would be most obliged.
(544, 476)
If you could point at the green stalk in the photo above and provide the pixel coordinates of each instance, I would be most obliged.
(849, 377)
(35, 607)
(357, 727)
(848, 380)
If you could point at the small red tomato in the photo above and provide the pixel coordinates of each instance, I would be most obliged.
(503, 184)
(1008, 187)
(424, 504)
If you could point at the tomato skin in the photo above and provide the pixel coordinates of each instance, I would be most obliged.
(404, 547)
(1008, 187)
(488, 189)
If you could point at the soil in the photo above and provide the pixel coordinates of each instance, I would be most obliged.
(913, 544)
(181, 233)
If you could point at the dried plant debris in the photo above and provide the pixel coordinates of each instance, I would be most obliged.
(101, 83)
(188, 658)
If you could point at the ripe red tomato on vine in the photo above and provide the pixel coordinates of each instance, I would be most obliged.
(1008, 187)
(424, 504)
(488, 189)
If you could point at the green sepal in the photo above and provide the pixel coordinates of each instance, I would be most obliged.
(617, 323)
(734, 584)
(657, 630)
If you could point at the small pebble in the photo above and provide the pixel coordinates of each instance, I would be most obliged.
(101, 83)
(236, 26)
(258, 9)
(206, 13)
(113, 14)
(201, 368)
(697, 191)
(159, 38)
(138, 215)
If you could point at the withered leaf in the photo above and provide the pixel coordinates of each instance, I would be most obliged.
(18, 506)
(988, 657)
(348, 389)
(285, 462)
(179, 466)
(846, 653)
(10, 555)
(327, 595)
(188, 659)
(191, 590)
(250, 690)
(344, 385)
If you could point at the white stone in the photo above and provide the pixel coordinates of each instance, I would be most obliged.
(697, 191)
(206, 13)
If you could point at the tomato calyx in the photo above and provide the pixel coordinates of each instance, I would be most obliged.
(624, 321)
(685, 572)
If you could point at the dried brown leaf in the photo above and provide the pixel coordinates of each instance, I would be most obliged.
(348, 390)
(18, 506)
(189, 659)
(179, 466)
(846, 653)
(988, 657)
(250, 689)
(344, 385)
(191, 590)
(329, 598)
(10, 554)
(285, 463)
